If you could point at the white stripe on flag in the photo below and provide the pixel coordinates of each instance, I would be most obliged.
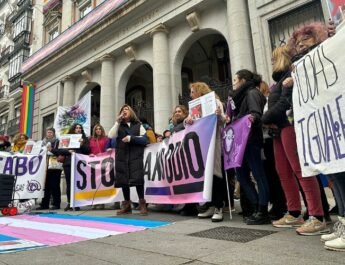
(89, 233)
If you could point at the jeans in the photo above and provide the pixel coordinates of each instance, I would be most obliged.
(252, 162)
(290, 173)
(339, 191)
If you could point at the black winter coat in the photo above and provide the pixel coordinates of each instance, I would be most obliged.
(249, 100)
(129, 165)
(279, 101)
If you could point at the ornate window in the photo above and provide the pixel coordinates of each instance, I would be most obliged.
(52, 20)
(282, 27)
(83, 7)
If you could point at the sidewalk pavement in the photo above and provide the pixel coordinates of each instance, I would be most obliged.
(173, 244)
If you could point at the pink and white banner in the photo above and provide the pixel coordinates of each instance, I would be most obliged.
(180, 169)
(93, 180)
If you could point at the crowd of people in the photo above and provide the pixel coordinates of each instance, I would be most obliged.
(270, 187)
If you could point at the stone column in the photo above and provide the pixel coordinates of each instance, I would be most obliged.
(240, 37)
(68, 91)
(107, 109)
(161, 78)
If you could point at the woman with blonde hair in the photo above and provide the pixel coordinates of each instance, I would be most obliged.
(99, 140)
(19, 143)
(286, 156)
(98, 144)
(197, 90)
(131, 140)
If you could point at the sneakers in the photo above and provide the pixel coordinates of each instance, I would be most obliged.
(289, 221)
(338, 243)
(337, 228)
(312, 227)
(217, 215)
(208, 213)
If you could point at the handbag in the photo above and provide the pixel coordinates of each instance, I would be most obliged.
(53, 163)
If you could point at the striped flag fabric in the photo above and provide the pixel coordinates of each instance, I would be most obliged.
(23, 232)
(26, 113)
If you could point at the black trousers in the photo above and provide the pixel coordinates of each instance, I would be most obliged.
(52, 188)
(127, 194)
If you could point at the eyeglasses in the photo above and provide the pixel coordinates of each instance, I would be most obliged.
(303, 40)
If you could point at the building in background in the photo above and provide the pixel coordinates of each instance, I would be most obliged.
(146, 52)
(15, 32)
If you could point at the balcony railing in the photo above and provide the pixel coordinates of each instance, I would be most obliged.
(5, 54)
(22, 40)
(15, 83)
(13, 126)
(4, 91)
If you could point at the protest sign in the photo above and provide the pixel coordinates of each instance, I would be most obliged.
(318, 106)
(32, 147)
(180, 169)
(93, 180)
(70, 141)
(78, 113)
(234, 139)
(203, 106)
(30, 171)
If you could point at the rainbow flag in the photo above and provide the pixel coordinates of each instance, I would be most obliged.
(27, 111)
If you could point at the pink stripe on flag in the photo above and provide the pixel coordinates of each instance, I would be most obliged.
(82, 223)
(46, 238)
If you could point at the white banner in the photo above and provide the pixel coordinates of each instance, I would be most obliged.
(78, 113)
(93, 180)
(30, 171)
(318, 105)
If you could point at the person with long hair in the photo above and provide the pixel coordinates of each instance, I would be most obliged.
(302, 41)
(250, 101)
(19, 142)
(215, 211)
(99, 143)
(285, 148)
(83, 149)
(130, 143)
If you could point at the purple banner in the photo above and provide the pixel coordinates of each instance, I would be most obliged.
(180, 169)
(235, 137)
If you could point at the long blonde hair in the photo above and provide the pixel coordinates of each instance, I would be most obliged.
(281, 58)
(94, 135)
(201, 88)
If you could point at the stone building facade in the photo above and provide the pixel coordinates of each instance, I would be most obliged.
(146, 52)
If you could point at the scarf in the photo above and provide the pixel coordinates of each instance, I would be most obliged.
(239, 94)
(49, 140)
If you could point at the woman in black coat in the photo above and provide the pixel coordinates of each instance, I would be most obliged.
(129, 166)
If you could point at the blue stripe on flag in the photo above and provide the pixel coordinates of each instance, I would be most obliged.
(115, 220)
(7, 238)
